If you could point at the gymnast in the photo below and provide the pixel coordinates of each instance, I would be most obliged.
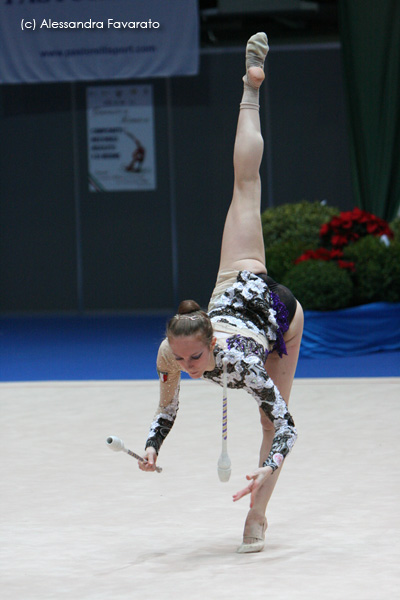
(252, 327)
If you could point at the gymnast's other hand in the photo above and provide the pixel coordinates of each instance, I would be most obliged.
(150, 459)
(257, 479)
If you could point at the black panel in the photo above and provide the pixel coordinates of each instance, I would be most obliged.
(125, 238)
(308, 127)
(37, 239)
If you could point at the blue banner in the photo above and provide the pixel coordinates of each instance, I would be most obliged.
(74, 40)
(352, 331)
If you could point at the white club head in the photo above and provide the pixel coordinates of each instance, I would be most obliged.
(224, 474)
(115, 443)
(224, 467)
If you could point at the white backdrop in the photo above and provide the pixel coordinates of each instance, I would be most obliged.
(72, 40)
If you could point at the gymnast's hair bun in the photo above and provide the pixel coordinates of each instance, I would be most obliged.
(188, 306)
(190, 320)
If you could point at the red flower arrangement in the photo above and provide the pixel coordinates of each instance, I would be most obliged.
(326, 255)
(350, 226)
(347, 227)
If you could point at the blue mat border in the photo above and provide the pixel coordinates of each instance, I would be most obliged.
(124, 347)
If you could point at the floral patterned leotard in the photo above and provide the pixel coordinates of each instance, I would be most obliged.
(249, 321)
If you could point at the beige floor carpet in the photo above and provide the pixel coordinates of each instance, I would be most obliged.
(81, 522)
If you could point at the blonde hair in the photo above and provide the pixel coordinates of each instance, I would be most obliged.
(190, 320)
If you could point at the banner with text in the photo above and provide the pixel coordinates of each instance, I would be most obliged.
(75, 40)
(120, 130)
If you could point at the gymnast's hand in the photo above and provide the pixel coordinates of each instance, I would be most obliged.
(150, 457)
(257, 479)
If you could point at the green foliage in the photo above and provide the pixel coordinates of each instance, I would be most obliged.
(395, 227)
(281, 255)
(291, 229)
(320, 285)
(377, 274)
(298, 222)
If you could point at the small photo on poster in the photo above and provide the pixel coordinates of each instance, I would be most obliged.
(120, 129)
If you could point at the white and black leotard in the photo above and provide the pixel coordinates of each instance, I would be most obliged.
(249, 321)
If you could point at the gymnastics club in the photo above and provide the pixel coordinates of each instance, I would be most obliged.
(117, 445)
(224, 462)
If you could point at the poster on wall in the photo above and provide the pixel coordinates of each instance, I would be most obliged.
(120, 133)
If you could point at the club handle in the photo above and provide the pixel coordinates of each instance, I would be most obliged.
(141, 459)
(117, 445)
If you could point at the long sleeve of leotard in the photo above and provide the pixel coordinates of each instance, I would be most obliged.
(245, 370)
(169, 374)
(258, 383)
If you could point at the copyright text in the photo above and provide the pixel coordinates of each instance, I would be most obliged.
(89, 24)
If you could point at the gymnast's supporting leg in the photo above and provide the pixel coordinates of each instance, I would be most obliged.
(281, 371)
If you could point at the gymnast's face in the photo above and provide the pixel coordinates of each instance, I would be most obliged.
(192, 354)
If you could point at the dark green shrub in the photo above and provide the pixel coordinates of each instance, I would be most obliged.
(391, 273)
(320, 285)
(281, 255)
(395, 227)
(296, 222)
(377, 270)
(291, 229)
